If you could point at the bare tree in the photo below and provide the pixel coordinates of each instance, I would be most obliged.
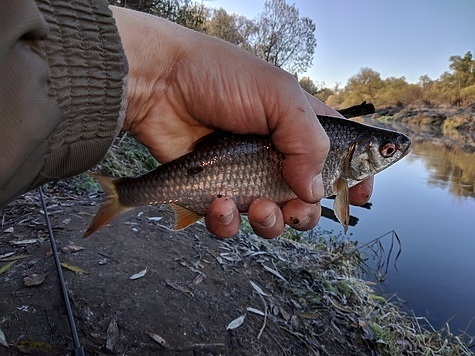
(283, 38)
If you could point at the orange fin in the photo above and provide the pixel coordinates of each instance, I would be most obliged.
(341, 206)
(184, 217)
(110, 209)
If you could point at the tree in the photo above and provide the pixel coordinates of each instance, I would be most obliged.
(463, 74)
(230, 27)
(324, 94)
(139, 5)
(283, 38)
(363, 87)
(184, 12)
(397, 91)
(308, 85)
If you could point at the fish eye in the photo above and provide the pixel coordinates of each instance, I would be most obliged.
(387, 149)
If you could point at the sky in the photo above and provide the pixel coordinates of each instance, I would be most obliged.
(396, 38)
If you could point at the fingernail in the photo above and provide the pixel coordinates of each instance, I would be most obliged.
(318, 191)
(225, 219)
(269, 221)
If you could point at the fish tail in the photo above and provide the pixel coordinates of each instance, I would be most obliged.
(110, 209)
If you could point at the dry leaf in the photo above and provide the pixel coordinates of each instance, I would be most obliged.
(274, 272)
(13, 258)
(34, 347)
(199, 278)
(7, 267)
(34, 279)
(73, 268)
(158, 339)
(139, 275)
(112, 335)
(72, 248)
(155, 218)
(255, 311)
(236, 322)
(3, 340)
(5, 255)
(25, 242)
(258, 289)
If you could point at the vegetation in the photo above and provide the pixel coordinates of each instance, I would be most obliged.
(453, 87)
(282, 37)
(278, 35)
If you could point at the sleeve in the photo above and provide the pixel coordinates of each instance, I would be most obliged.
(62, 90)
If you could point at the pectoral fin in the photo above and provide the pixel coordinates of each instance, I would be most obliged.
(341, 206)
(184, 217)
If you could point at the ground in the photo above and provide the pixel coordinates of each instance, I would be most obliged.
(295, 298)
(194, 287)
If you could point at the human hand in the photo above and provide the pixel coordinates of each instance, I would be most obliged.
(183, 85)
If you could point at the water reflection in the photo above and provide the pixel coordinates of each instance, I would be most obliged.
(448, 166)
(449, 156)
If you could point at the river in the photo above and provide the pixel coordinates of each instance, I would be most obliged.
(428, 199)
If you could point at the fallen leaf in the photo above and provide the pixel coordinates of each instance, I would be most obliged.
(155, 218)
(25, 242)
(72, 248)
(112, 335)
(236, 322)
(258, 289)
(8, 254)
(255, 311)
(3, 340)
(13, 258)
(274, 272)
(199, 278)
(158, 339)
(139, 275)
(34, 279)
(73, 268)
(34, 347)
(179, 287)
(7, 267)
(9, 230)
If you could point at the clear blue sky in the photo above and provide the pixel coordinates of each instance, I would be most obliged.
(396, 38)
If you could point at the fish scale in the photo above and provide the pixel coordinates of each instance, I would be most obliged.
(246, 167)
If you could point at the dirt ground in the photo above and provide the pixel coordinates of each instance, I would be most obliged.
(195, 285)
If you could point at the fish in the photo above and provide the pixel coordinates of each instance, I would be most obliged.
(244, 167)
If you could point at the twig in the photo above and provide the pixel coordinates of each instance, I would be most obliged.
(265, 317)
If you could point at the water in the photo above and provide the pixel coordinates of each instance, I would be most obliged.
(428, 199)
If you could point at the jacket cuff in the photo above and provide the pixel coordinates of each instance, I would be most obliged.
(87, 80)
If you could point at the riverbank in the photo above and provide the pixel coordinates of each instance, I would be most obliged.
(449, 121)
(198, 295)
(290, 297)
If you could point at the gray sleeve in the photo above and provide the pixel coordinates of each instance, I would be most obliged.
(62, 90)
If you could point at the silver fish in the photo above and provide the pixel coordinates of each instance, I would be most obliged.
(246, 167)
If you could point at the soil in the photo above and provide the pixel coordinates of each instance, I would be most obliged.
(195, 285)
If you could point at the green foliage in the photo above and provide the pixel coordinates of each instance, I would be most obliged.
(126, 157)
(187, 13)
(308, 85)
(454, 87)
(232, 28)
(280, 36)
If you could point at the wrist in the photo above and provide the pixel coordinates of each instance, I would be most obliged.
(151, 48)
